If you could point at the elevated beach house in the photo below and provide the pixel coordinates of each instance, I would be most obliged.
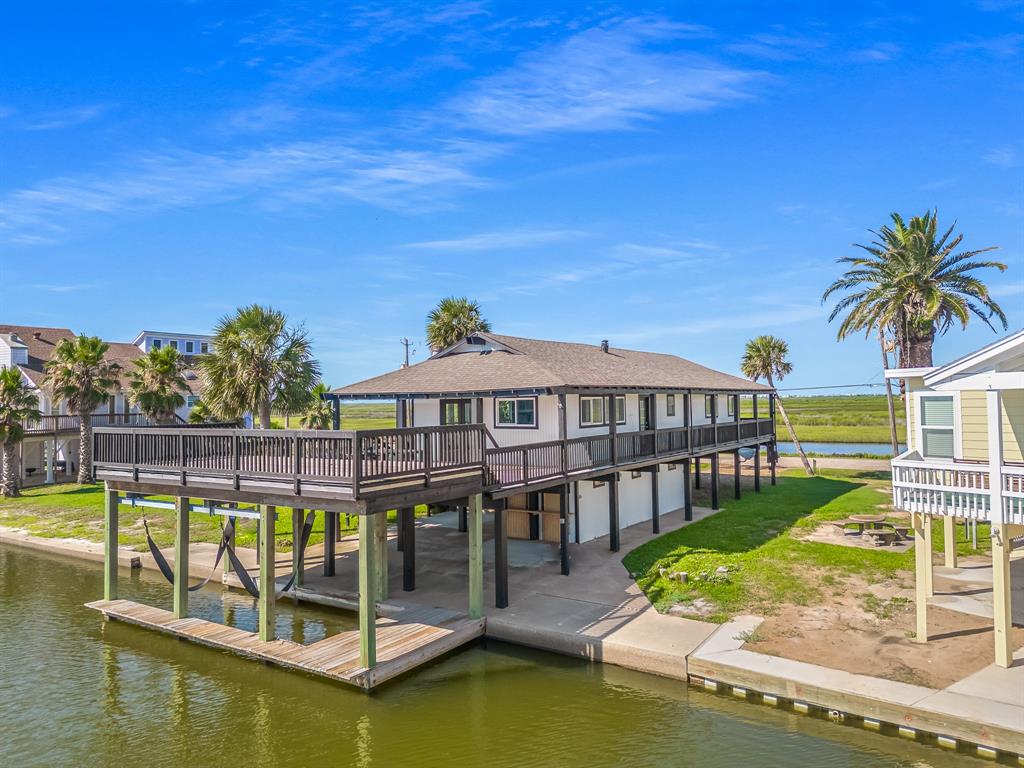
(556, 441)
(965, 462)
(50, 450)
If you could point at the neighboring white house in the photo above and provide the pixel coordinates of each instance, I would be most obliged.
(964, 461)
(55, 436)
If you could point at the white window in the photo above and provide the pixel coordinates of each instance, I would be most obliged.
(670, 405)
(709, 406)
(157, 343)
(516, 412)
(731, 400)
(190, 347)
(204, 347)
(592, 411)
(191, 400)
(937, 427)
(174, 343)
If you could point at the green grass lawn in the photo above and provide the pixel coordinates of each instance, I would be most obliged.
(354, 416)
(841, 419)
(76, 512)
(758, 539)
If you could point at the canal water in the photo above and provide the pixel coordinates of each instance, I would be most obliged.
(77, 691)
(839, 449)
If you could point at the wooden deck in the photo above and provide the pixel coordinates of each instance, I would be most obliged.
(404, 641)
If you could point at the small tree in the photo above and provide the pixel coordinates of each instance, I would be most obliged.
(452, 320)
(201, 413)
(18, 406)
(157, 382)
(765, 357)
(79, 375)
(258, 363)
(320, 414)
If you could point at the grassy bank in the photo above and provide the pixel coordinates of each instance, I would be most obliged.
(760, 539)
(353, 416)
(841, 419)
(76, 512)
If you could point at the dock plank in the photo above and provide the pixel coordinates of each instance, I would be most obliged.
(405, 641)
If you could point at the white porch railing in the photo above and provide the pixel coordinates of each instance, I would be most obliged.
(956, 489)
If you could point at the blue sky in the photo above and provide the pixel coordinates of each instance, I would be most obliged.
(676, 177)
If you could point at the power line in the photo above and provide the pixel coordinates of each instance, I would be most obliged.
(829, 386)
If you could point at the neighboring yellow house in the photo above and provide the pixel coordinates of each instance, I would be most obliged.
(965, 434)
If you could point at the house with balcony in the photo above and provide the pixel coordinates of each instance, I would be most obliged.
(965, 462)
(554, 441)
(49, 452)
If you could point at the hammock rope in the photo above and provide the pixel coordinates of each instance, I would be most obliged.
(227, 533)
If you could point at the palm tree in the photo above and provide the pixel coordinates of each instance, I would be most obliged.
(201, 413)
(157, 383)
(453, 319)
(18, 405)
(257, 363)
(79, 376)
(320, 414)
(765, 357)
(914, 285)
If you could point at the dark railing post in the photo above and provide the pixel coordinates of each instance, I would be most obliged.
(357, 463)
(427, 457)
(613, 452)
(526, 467)
(296, 464)
(181, 455)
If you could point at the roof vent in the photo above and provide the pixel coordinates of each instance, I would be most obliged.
(475, 340)
(37, 334)
(604, 345)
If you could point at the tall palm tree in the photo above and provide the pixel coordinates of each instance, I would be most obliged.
(258, 362)
(320, 414)
(79, 375)
(766, 357)
(18, 405)
(157, 383)
(453, 319)
(914, 284)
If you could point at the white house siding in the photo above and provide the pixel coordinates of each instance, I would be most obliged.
(634, 498)
(547, 423)
(593, 510)
(664, 421)
(5, 354)
(670, 488)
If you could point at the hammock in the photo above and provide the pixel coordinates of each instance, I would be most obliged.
(240, 570)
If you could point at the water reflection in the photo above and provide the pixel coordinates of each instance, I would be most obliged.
(110, 694)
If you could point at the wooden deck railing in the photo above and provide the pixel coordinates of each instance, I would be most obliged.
(429, 454)
(56, 423)
(366, 461)
(957, 489)
(536, 462)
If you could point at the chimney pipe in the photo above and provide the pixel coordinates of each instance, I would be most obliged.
(604, 345)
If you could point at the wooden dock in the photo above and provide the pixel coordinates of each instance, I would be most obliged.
(404, 641)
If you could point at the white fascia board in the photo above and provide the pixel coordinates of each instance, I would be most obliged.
(995, 350)
(983, 381)
(907, 373)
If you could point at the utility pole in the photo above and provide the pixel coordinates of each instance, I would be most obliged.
(406, 343)
(888, 395)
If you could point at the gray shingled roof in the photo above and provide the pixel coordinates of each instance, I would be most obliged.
(536, 364)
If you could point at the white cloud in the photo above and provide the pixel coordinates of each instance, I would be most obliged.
(320, 173)
(1001, 46)
(61, 287)
(603, 78)
(65, 118)
(501, 240)
(1004, 157)
(876, 53)
(758, 321)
